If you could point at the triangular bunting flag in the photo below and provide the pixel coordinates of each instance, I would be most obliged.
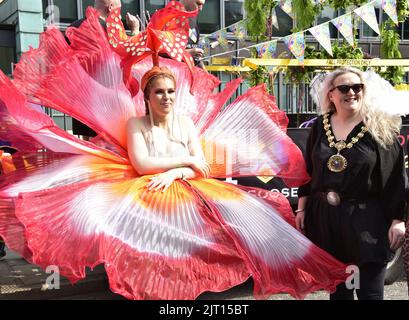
(295, 42)
(321, 33)
(287, 7)
(212, 36)
(389, 6)
(205, 45)
(274, 19)
(221, 37)
(367, 13)
(238, 29)
(344, 25)
(266, 50)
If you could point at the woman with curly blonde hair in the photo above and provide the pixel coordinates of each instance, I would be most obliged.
(383, 126)
(353, 207)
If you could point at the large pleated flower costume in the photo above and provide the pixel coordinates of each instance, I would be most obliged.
(77, 204)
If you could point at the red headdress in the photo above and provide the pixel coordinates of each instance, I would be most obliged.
(154, 72)
(167, 33)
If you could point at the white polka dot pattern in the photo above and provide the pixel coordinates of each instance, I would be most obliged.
(166, 34)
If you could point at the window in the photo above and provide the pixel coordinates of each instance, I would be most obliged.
(405, 30)
(154, 5)
(7, 48)
(233, 11)
(68, 10)
(209, 18)
(86, 4)
(6, 59)
(285, 23)
(131, 6)
(45, 5)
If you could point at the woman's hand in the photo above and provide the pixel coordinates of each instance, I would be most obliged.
(161, 181)
(133, 23)
(396, 234)
(200, 165)
(299, 221)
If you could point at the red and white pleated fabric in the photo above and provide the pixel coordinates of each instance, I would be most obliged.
(76, 204)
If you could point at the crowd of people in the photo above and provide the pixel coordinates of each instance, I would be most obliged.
(142, 196)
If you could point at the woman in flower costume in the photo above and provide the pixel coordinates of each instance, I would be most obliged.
(79, 204)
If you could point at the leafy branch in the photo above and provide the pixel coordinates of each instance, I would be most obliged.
(305, 13)
(390, 50)
(259, 18)
(343, 4)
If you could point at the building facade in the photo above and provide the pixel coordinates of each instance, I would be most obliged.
(22, 21)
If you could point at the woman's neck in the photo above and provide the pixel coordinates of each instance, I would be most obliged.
(160, 121)
(347, 117)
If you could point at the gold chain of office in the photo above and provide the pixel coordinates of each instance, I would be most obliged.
(337, 162)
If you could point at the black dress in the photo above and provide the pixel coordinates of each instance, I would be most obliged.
(372, 191)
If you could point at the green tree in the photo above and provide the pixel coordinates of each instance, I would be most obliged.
(343, 4)
(390, 50)
(259, 22)
(305, 12)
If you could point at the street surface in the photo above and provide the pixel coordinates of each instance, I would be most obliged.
(20, 280)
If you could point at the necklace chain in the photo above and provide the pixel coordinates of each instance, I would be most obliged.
(340, 145)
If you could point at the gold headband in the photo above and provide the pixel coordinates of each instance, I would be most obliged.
(154, 72)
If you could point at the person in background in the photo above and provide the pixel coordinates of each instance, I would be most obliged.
(354, 205)
(194, 32)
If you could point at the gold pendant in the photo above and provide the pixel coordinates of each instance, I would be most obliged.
(337, 163)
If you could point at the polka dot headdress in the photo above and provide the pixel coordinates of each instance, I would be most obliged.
(166, 34)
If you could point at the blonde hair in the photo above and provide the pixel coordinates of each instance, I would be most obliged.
(382, 126)
(146, 86)
(147, 80)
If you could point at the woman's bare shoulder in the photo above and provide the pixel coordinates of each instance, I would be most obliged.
(137, 123)
(185, 120)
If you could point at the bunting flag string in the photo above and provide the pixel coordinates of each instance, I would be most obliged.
(237, 28)
(296, 41)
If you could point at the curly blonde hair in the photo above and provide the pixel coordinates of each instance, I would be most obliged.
(382, 126)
